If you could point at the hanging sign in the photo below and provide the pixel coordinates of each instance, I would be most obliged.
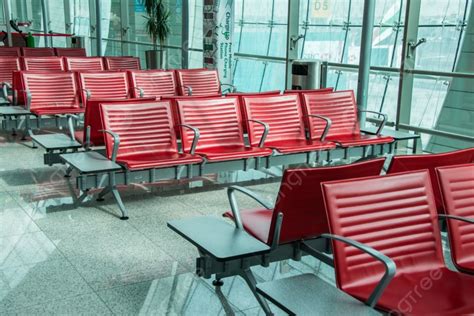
(218, 32)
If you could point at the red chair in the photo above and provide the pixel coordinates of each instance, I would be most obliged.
(51, 93)
(241, 96)
(457, 190)
(91, 135)
(104, 85)
(393, 217)
(152, 83)
(199, 82)
(122, 63)
(300, 201)
(218, 124)
(146, 135)
(431, 162)
(340, 107)
(70, 52)
(7, 66)
(43, 64)
(84, 63)
(283, 116)
(10, 51)
(37, 52)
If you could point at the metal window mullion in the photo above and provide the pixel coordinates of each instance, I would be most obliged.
(344, 44)
(461, 31)
(44, 10)
(124, 28)
(392, 60)
(306, 27)
(98, 27)
(405, 91)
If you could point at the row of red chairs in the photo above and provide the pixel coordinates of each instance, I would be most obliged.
(66, 92)
(143, 134)
(142, 83)
(384, 230)
(8, 65)
(42, 52)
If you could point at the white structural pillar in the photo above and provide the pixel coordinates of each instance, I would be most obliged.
(218, 33)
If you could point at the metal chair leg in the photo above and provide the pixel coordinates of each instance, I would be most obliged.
(248, 276)
(103, 193)
(118, 199)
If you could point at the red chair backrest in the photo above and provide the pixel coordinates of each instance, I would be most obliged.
(10, 51)
(241, 96)
(70, 52)
(457, 190)
(37, 52)
(122, 63)
(93, 119)
(393, 214)
(51, 89)
(218, 120)
(154, 83)
(339, 106)
(300, 198)
(430, 162)
(204, 82)
(104, 85)
(43, 64)
(84, 63)
(144, 128)
(7, 66)
(282, 112)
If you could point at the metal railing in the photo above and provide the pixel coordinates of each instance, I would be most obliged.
(420, 73)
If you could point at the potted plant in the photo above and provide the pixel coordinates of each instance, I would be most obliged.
(157, 26)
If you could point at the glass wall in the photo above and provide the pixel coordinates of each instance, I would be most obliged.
(330, 30)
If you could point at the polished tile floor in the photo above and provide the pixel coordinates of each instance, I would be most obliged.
(56, 258)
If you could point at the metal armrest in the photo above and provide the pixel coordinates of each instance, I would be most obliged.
(189, 88)
(28, 99)
(266, 130)
(328, 125)
(70, 124)
(141, 93)
(195, 139)
(88, 94)
(236, 212)
(382, 124)
(457, 218)
(390, 267)
(116, 138)
(5, 87)
(231, 88)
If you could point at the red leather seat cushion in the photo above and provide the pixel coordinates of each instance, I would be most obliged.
(57, 110)
(360, 140)
(257, 222)
(146, 161)
(233, 152)
(299, 145)
(428, 292)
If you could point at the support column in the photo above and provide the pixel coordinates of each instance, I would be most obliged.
(364, 61)
(218, 31)
(185, 35)
(292, 38)
(44, 12)
(7, 16)
(98, 26)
